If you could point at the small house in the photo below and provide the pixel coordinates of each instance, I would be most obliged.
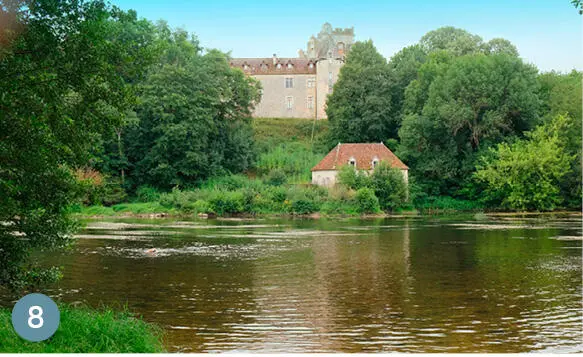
(361, 156)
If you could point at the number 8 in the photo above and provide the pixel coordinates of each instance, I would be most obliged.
(37, 316)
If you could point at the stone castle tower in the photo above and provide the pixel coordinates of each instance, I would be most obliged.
(298, 87)
(330, 43)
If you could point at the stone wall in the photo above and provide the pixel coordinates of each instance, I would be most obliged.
(274, 100)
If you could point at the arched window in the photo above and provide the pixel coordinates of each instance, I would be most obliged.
(352, 162)
(290, 66)
(278, 66)
(375, 162)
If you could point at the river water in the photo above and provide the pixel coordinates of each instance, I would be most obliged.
(480, 284)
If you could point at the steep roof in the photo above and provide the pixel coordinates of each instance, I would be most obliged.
(363, 154)
(266, 66)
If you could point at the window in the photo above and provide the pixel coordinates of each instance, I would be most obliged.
(311, 83)
(311, 65)
(330, 89)
(278, 66)
(263, 67)
(289, 102)
(289, 82)
(290, 66)
(375, 162)
(310, 102)
(352, 162)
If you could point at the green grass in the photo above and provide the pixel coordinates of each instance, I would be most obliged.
(87, 331)
(270, 132)
(121, 208)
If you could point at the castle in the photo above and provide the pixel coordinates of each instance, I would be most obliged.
(298, 87)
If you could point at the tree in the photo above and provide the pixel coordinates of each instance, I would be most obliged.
(193, 117)
(59, 79)
(389, 186)
(578, 5)
(456, 41)
(526, 174)
(471, 102)
(404, 67)
(360, 108)
(500, 46)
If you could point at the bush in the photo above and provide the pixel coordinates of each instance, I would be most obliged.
(147, 193)
(352, 178)
(366, 201)
(448, 204)
(304, 206)
(389, 186)
(222, 202)
(276, 177)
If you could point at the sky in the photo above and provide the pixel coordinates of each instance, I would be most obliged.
(546, 33)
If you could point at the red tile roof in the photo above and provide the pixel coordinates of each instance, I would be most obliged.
(259, 66)
(363, 154)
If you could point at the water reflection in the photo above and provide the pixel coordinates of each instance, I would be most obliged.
(409, 285)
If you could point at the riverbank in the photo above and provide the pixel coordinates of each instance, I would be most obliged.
(154, 210)
(87, 331)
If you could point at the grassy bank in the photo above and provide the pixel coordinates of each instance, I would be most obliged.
(87, 331)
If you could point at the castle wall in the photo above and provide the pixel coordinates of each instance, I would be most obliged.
(327, 71)
(274, 100)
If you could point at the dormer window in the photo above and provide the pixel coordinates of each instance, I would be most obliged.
(263, 67)
(311, 65)
(278, 66)
(375, 162)
(245, 67)
(352, 162)
(290, 66)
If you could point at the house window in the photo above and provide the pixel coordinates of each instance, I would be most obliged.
(311, 65)
(311, 83)
(263, 67)
(310, 102)
(352, 162)
(289, 102)
(278, 66)
(375, 162)
(290, 66)
(289, 82)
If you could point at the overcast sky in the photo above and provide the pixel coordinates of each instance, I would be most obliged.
(546, 33)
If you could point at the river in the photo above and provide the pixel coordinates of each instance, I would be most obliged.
(478, 284)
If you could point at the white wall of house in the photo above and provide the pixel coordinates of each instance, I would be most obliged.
(327, 178)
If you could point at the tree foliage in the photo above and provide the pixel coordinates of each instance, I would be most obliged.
(461, 105)
(360, 108)
(63, 68)
(527, 174)
(193, 117)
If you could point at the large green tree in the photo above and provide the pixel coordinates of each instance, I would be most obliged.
(193, 117)
(360, 109)
(62, 71)
(470, 103)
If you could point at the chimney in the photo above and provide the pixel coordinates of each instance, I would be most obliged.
(274, 59)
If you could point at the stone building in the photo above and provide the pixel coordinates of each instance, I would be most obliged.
(298, 87)
(363, 157)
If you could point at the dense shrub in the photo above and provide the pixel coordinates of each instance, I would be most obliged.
(389, 186)
(366, 201)
(276, 177)
(147, 193)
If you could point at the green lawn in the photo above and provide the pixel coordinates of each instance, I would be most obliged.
(83, 331)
